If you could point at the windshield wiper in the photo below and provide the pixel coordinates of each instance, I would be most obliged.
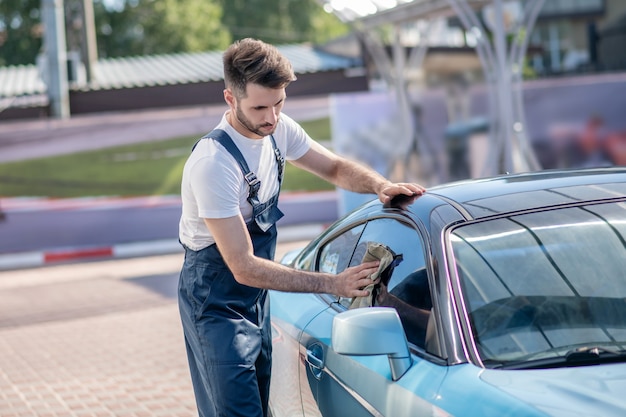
(593, 354)
(581, 356)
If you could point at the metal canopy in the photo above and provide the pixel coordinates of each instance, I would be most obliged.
(501, 59)
(374, 13)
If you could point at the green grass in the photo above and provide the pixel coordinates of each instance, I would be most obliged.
(153, 168)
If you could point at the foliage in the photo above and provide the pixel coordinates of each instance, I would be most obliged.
(326, 26)
(145, 27)
(281, 21)
(21, 31)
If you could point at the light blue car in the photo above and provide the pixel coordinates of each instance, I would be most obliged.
(499, 297)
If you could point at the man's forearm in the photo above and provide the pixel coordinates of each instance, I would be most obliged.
(263, 273)
(353, 176)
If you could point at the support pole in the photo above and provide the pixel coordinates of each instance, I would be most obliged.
(510, 150)
(402, 96)
(510, 160)
(56, 57)
(89, 45)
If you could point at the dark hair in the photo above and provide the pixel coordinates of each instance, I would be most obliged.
(253, 61)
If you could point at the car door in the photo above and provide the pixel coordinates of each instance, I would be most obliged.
(333, 257)
(352, 385)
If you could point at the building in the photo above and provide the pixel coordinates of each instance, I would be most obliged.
(134, 83)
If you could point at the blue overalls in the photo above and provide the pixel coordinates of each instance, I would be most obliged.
(227, 324)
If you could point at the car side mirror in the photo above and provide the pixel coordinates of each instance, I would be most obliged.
(372, 331)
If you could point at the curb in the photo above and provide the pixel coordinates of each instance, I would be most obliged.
(129, 250)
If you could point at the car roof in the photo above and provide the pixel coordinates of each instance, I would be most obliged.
(480, 198)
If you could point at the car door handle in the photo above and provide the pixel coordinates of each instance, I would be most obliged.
(315, 360)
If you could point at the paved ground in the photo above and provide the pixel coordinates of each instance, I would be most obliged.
(94, 339)
(100, 338)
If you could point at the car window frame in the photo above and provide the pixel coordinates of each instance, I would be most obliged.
(416, 224)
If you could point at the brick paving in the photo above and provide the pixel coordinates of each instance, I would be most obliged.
(105, 344)
(95, 339)
(100, 339)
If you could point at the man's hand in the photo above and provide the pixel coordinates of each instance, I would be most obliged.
(351, 281)
(390, 190)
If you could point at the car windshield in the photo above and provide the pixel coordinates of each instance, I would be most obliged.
(543, 284)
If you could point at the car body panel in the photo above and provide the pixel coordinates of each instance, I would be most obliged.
(573, 391)
(530, 191)
(287, 326)
(462, 393)
(362, 385)
(447, 376)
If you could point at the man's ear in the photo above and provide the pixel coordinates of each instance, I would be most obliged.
(229, 98)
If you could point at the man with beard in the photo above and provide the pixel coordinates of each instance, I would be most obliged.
(230, 187)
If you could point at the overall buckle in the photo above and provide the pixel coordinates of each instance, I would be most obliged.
(253, 182)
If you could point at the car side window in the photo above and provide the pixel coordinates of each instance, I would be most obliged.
(336, 254)
(400, 237)
(408, 287)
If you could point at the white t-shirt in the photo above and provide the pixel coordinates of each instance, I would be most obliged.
(213, 185)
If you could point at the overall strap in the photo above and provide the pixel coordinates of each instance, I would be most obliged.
(253, 182)
(279, 159)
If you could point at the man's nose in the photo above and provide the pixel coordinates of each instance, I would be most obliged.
(272, 115)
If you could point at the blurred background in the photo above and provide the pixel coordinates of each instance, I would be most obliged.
(105, 97)
(101, 101)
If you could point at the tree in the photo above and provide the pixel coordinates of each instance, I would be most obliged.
(145, 27)
(21, 31)
(281, 21)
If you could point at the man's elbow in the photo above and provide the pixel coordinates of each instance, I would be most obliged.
(245, 272)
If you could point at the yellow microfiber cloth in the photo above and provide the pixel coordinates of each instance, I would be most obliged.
(375, 251)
